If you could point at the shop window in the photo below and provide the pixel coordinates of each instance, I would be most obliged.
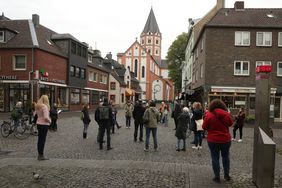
(94, 97)
(242, 38)
(241, 68)
(19, 62)
(75, 96)
(72, 70)
(113, 86)
(85, 96)
(77, 72)
(73, 47)
(2, 36)
(279, 68)
(264, 38)
(82, 73)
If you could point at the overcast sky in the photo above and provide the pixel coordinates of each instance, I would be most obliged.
(113, 25)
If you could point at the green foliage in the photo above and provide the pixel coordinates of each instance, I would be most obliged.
(175, 57)
(250, 118)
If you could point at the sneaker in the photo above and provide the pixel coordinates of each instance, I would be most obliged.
(240, 140)
(233, 139)
(145, 149)
(200, 147)
(195, 147)
(216, 179)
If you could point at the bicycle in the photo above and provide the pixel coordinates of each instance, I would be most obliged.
(9, 127)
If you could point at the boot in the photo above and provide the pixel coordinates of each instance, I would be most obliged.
(84, 135)
(41, 157)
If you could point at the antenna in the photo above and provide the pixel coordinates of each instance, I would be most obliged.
(152, 2)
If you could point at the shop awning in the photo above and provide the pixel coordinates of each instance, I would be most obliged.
(52, 84)
(129, 92)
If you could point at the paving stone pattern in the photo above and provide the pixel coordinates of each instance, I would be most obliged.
(77, 162)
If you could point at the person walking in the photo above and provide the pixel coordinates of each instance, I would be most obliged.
(176, 112)
(165, 115)
(180, 133)
(104, 118)
(86, 119)
(239, 124)
(138, 113)
(128, 113)
(198, 131)
(151, 118)
(54, 117)
(42, 109)
(217, 122)
(17, 113)
(114, 111)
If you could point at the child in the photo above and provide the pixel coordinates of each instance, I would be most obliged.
(182, 126)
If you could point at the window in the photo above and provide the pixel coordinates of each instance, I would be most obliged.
(100, 78)
(241, 68)
(157, 52)
(135, 67)
(201, 71)
(264, 38)
(142, 41)
(95, 77)
(143, 72)
(72, 70)
(105, 79)
(113, 98)
(73, 47)
(75, 96)
(149, 41)
(2, 36)
(280, 39)
(79, 50)
(113, 86)
(260, 63)
(19, 62)
(90, 58)
(77, 72)
(82, 73)
(242, 38)
(90, 76)
(157, 41)
(83, 52)
(149, 51)
(279, 68)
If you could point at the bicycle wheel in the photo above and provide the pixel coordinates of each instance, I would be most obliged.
(20, 131)
(5, 129)
(33, 130)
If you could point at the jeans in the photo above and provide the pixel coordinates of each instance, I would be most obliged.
(102, 133)
(154, 133)
(127, 121)
(85, 128)
(138, 125)
(215, 149)
(165, 120)
(198, 138)
(42, 133)
(240, 131)
(179, 144)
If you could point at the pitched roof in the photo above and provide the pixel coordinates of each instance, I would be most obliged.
(151, 24)
(229, 17)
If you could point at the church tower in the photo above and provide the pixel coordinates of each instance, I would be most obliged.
(151, 37)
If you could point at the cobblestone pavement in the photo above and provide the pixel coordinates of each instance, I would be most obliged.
(75, 162)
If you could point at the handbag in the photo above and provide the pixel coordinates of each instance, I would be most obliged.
(199, 124)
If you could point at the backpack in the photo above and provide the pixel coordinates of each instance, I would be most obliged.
(104, 113)
(15, 114)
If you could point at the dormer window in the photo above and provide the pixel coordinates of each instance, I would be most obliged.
(2, 36)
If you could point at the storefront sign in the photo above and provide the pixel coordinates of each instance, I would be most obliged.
(13, 77)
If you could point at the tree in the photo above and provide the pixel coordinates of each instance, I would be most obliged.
(175, 57)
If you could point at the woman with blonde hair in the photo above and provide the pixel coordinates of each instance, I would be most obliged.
(42, 109)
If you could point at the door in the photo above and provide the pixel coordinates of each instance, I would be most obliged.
(277, 108)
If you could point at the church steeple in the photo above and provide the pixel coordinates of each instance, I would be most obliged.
(151, 37)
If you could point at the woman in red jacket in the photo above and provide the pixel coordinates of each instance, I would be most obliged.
(217, 122)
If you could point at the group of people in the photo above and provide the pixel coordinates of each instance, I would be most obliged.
(216, 121)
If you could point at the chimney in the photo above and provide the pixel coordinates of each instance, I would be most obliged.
(220, 4)
(239, 5)
(35, 19)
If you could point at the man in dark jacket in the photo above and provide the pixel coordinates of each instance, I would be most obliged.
(176, 113)
(104, 117)
(138, 113)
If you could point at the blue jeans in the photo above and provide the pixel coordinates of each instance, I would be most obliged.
(198, 138)
(154, 133)
(165, 120)
(215, 149)
(127, 121)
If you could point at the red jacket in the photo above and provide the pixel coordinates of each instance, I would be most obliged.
(217, 124)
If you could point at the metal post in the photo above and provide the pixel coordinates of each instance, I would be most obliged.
(262, 124)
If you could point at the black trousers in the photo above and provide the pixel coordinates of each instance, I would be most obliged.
(138, 124)
(42, 133)
(53, 125)
(236, 127)
(103, 129)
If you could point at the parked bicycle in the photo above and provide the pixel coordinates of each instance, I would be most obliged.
(21, 131)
